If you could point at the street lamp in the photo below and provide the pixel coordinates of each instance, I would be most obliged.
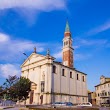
(28, 64)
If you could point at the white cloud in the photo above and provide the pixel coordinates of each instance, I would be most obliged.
(80, 56)
(13, 49)
(96, 30)
(3, 38)
(30, 9)
(58, 55)
(101, 28)
(95, 42)
(40, 5)
(9, 69)
(90, 42)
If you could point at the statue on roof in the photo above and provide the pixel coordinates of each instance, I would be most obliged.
(34, 49)
(48, 52)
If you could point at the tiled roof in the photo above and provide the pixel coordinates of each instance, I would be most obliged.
(103, 83)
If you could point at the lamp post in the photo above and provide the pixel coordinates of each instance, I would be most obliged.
(28, 64)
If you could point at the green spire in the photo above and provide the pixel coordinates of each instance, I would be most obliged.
(67, 28)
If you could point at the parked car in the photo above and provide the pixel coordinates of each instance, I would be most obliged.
(57, 104)
(7, 103)
(68, 104)
(86, 104)
(62, 104)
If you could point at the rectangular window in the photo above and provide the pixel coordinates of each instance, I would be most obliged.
(105, 93)
(83, 78)
(71, 75)
(102, 94)
(54, 69)
(77, 77)
(63, 72)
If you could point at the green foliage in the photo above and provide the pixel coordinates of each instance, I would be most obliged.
(23, 88)
(1, 90)
(16, 88)
(10, 81)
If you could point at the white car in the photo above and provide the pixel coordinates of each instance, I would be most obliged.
(62, 104)
(86, 104)
(58, 104)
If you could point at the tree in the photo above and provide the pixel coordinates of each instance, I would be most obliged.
(23, 87)
(10, 81)
(1, 92)
(8, 86)
(16, 89)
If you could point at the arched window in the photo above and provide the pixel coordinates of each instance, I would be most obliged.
(54, 69)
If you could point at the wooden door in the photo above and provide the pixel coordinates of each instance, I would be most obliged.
(31, 96)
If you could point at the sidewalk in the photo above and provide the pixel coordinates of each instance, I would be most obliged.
(13, 108)
(5, 107)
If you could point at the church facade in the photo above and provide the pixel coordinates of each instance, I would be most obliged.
(54, 81)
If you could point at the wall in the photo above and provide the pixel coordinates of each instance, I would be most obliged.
(66, 88)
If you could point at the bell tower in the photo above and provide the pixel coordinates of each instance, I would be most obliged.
(67, 47)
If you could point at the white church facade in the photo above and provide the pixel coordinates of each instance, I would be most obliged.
(55, 81)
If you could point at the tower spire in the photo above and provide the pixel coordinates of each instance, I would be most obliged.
(67, 28)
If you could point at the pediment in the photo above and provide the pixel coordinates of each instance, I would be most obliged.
(33, 58)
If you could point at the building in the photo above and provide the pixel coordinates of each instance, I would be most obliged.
(55, 81)
(103, 91)
(92, 97)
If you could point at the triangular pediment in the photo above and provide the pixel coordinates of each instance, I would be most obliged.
(34, 57)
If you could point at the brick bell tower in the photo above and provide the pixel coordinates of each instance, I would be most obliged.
(67, 47)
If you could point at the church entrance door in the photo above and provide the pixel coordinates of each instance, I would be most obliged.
(31, 96)
(41, 99)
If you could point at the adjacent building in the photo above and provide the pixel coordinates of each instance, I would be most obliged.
(92, 97)
(55, 81)
(103, 91)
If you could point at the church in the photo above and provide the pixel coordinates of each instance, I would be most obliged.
(54, 81)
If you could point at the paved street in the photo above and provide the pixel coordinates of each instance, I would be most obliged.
(13, 109)
(104, 108)
(17, 108)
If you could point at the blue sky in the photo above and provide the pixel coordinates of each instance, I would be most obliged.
(28, 23)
